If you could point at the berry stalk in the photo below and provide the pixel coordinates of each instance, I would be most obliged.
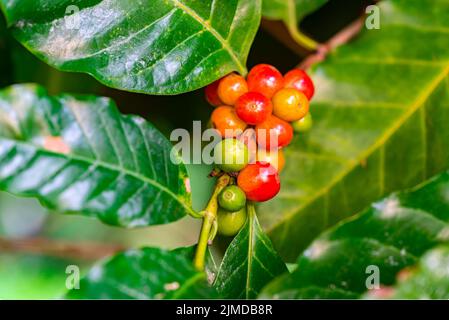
(209, 217)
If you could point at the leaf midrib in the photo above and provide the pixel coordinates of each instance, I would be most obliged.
(422, 98)
(99, 163)
(207, 26)
(251, 220)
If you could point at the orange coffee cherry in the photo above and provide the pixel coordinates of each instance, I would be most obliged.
(290, 105)
(226, 122)
(231, 88)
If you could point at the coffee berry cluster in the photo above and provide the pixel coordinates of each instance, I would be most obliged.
(256, 117)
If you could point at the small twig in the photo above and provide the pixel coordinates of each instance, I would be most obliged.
(342, 37)
(279, 31)
(61, 249)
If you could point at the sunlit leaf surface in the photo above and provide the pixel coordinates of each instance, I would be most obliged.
(154, 47)
(80, 155)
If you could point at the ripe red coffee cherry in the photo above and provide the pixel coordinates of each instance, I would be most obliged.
(300, 80)
(265, 79)
(274, 133)
(259, 181)
(226, 122)
(211, 93)
(231, 88)
(253, 108)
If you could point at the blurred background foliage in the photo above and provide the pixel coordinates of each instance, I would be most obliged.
(24, 275)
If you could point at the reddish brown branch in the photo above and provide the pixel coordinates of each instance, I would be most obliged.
(62, 249)
(280, 32)
(342, 37)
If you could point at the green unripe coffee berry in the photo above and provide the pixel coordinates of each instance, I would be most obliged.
(231, 155)
(303, 125)
(230, 223)
(232, 198)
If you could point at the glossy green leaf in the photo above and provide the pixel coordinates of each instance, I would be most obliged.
(291, 12)
(148, 273)
(390, 235)
(154, 47)
(430, 280)
(249, 263)
(381, 116)
(80, 155)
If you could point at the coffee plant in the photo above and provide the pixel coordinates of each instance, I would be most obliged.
(330, 180)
